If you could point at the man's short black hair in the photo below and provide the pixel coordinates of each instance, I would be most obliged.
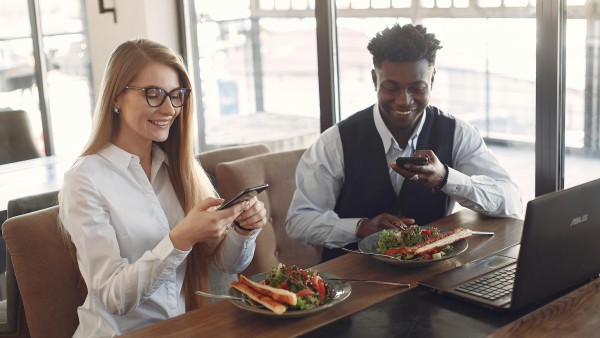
(403, 44)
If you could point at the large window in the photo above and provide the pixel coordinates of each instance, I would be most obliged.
(259, 60)
(69, 93)
(45, 70)
(258, 72)
(17, 65)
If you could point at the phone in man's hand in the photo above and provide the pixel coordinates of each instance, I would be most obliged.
(245, 195)
(400, 161)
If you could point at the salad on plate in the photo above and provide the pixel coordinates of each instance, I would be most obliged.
(289, 291)
(415, 242)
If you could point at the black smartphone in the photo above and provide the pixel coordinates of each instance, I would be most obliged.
(400, 161)
(245, 195)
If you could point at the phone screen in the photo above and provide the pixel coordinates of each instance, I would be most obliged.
(244, 196)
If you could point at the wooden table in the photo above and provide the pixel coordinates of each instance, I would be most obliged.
(223, 319)
(576, 314)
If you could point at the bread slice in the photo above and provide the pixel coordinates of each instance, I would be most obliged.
(268, 302)
(455, 236)
(280, 295)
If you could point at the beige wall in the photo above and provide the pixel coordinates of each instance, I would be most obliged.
(152, 19)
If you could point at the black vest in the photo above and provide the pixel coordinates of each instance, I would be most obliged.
(367, 189)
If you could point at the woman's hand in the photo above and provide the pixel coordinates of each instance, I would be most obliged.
(252, 218)
(204, 225)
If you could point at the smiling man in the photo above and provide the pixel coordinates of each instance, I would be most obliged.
(348, 185)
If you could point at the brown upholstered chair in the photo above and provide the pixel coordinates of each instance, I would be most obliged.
(209, 159)
(49, 280)
(278, 170)
(219, 281)
(16, 137)
(16, 323)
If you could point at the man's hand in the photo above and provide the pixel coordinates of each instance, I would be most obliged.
(381, 222)
(430, 175)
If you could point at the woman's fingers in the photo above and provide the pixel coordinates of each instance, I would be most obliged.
(254, 216)
(209, 202)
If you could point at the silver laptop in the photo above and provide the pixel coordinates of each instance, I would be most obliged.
(559, 249)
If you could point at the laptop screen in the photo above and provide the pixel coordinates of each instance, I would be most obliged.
(560, 245)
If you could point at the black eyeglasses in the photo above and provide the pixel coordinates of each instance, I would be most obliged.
(156, 96)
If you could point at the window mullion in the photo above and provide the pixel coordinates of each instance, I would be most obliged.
(550, 105)
(41, 74)
(329, 97)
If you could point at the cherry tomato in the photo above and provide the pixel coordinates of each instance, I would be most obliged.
(319, 286)
(322, 291)
(305, 292)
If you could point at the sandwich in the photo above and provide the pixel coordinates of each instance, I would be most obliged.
(439, 241)
(266, 301)
(274, 299)
(280, 295)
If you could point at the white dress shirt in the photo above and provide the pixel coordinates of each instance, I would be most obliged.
(119, 222)
(477, 181)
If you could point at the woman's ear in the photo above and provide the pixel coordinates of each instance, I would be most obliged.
(115, 107)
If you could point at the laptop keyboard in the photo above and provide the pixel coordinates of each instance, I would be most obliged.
(493, 286)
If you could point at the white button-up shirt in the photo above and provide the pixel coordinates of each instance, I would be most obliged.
(119, 222)
(477, 181)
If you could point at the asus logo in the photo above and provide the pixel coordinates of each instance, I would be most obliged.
(580, 219)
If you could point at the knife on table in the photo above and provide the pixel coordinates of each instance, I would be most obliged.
(476, 232)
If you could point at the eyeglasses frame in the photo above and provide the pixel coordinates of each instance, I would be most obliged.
(145, 89)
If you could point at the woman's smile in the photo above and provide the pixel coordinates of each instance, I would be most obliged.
(160, 123)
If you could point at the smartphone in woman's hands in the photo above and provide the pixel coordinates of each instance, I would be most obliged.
(245, 195)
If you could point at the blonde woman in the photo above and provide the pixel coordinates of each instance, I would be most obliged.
(137, 206)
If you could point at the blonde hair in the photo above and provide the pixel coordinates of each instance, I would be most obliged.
(190, 182)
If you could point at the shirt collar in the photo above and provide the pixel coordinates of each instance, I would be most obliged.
(122, 158)
(386, 136)
(158, 158)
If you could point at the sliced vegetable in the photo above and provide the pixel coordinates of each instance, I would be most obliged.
(305, 292)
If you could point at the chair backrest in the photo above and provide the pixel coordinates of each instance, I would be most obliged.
(219, 280)
(209, 159)
(49, 280)
(16, 323)
(273, 244)
(16, 137)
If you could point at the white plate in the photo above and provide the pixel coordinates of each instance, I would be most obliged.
(340, 290)
(369, 245)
